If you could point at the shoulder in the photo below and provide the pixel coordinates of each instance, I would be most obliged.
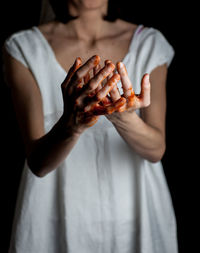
(15, 45)
(156, 41)
(143, 33)
(153, 48)
(20, 40)
(20, 35)
(24, 45)
(125, 28)
(151, 35)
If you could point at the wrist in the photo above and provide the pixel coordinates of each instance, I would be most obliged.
(123, 119)
(65, 130)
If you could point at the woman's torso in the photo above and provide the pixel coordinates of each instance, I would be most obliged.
(108, 199)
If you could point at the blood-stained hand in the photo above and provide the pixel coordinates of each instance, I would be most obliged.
(83, 95)
(133, 101)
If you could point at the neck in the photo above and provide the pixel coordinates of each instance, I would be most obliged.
(90, 24)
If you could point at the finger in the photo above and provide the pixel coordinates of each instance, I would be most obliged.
(101, 75)
(126, 83)
(96, 69)
(89, 65)
(122, 108)
(106, 101)
(108, 87)
(84, 70)
(144, 96)
(103, 110)
(120, 103)
(111, 74)
(103, 92)
(86, 78)
(71, 72)
(114, 93)
(89, 90)
(95, 72)
(107, 62)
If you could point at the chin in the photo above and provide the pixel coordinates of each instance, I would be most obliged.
(93, 4)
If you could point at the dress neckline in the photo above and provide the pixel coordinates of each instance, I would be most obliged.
(52, 53)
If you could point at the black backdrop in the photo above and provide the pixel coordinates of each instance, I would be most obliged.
(178, 23)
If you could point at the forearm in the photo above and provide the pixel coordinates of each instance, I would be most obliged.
(144, 139)
(48, 152)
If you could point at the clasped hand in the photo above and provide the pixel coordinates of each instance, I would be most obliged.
(86, 98)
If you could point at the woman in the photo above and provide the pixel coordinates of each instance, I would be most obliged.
(101, 186)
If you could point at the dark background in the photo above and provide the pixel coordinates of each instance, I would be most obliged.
(178, 22)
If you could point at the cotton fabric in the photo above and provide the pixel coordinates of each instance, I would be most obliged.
(103, 198)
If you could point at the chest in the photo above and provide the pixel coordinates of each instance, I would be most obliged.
(66, 50)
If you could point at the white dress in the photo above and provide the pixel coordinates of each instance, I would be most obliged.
(103, 198)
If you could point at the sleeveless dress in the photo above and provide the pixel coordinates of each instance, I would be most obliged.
(103, 198)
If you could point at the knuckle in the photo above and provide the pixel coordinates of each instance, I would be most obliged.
(101, 75)
(92, 84)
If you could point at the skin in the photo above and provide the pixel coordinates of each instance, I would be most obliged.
(84, 95)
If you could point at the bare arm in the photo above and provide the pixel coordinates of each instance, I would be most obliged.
(45, 152)
(146, 134)
(42, 151)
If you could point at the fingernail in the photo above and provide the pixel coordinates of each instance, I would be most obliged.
(147, 83)
(96, 59)
(107, 61)
(147, 78)
(111, 65)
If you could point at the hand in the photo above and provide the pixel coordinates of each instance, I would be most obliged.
(133, 101)
(82, 95)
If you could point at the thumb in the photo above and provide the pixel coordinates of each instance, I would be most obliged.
(145, 91)
(71, 72)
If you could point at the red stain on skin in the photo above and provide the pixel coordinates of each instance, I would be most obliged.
(99, 110)
(109, 68)
(111, 65)
(131, 99)
(132, 94)
(92, 122)
(99, 101)
(106, 101)
(78, 62)
(118, 104)
(96, 59)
